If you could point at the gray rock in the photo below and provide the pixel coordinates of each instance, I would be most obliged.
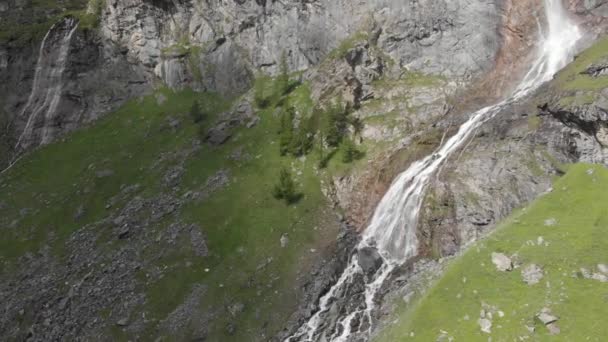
(596, 70)
(173, 176)
(236, 308)
(546, 317)
(585, 273)
(502, 262)
(550, 222)
(601, 277)
(79, 212)
(123, 322)
(104, 173)
(219, 134)
(553, 328)
(284, 240)
(198, 241)
(485, 325)
(124, 232)
(532, 274)
(369, 260)
(603, 268)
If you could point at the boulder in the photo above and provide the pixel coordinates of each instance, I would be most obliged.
(532, 274)
(369, 260)
(123, 322)
(104, 173)
(553, 328)
(485, 325)
(284, 240)
(546, 317)
(503, 263)
(219, 134)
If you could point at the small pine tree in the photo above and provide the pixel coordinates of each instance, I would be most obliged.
(336, 123)
(349, 151)
(286, 131)
(282, 82)
(357, 125)
(285, 189)
(196, 113)
(303, 140)
(259, 93)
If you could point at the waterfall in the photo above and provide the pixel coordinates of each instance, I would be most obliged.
(392, 230)
(47, 87)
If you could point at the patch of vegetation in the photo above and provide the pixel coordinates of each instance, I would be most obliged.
(347, 44)
(534, 122)
(561, 232)
(350, 152)
(577, 100)
(410, 79)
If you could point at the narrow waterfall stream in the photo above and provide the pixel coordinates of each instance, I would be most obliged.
(46, 91)
(392, 230)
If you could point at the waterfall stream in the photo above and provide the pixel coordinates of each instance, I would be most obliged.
(392, 230)
(47, 87)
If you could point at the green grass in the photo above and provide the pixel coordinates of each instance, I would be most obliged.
(53, 181)
(579, 239)
(411, 79)
(347, 44)
(571, 78)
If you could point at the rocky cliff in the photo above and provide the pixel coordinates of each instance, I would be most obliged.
(127, 47)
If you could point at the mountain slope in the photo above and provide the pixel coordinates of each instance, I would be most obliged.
(564, 234)
(132, 227)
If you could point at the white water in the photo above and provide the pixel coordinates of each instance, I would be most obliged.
(393, 226)
(47, 86)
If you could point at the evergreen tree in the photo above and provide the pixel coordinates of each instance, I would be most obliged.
(336, 124)
(259, 93)
(285, 189)
(286, 131)
(196, 113)
(282, 81)
(349, 151)
(304, 138)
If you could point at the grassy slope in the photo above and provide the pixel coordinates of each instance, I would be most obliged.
(242, 222)
(582, 89)
(579, 239)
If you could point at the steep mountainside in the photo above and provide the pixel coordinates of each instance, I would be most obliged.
(201, 170)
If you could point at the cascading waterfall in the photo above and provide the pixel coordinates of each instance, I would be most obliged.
(392, 230)
(47, 87)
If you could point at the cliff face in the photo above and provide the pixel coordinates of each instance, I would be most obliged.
(220, 46)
